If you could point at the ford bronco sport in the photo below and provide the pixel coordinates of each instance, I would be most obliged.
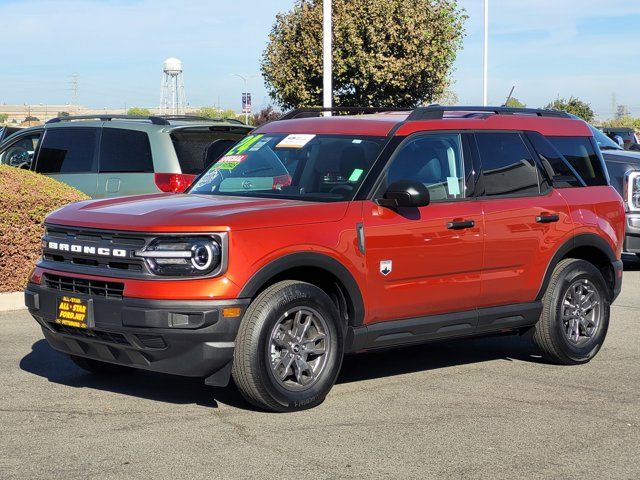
(316, 237)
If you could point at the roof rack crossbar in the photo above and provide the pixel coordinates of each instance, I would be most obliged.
(316, 111)
(107, 118)
(436, 112)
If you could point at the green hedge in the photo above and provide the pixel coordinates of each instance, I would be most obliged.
(25, 200)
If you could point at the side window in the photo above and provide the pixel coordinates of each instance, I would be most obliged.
(435, 160)
(580, 153)
(67, 150)
(20, 152)
(556, 166)
(507, 166)
(125, 151)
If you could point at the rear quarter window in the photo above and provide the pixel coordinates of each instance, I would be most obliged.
(580, 153)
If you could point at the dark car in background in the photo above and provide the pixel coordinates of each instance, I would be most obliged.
(8, 131)
(624, 175)
(628, 136)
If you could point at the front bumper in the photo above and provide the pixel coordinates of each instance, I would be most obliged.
(183, 338)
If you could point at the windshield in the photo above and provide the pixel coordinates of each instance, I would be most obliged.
(604, 142)
(326, 168)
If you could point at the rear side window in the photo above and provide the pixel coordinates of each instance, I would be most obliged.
(67, 150)
(125, 151)
(580, 153)
(554, 164)
(507, 166)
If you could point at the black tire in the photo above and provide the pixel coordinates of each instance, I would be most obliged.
(549, 333)
(252, 358)
(99, 368)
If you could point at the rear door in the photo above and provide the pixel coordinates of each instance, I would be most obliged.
(69, 155)
(125, 163)
(525, 221)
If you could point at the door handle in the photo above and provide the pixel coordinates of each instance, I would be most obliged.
(460, 225)
(548, 218)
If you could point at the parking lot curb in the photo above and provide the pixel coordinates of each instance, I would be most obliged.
(11, 301)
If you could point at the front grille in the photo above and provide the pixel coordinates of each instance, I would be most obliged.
(98, 288)
(96, 239)
(109, 337)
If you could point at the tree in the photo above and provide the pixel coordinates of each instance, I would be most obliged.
(3, 117)
(63, 114)
(216, 113)
(574, 106)
(31, 118)
(386, 52)
(623, 122)
(139, 111)
(265, 115)
(513, 102)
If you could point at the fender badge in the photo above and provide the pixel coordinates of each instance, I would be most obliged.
(385, 267)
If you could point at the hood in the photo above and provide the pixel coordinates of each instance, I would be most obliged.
(168, 212)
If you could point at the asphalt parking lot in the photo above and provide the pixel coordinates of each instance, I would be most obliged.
(486, 408)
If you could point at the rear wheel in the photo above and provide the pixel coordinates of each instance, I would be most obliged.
(98, 367)
(289, 348)
(575, 314)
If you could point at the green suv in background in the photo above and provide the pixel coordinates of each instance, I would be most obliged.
(116, 155)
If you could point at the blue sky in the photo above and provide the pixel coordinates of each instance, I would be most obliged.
(588, 48)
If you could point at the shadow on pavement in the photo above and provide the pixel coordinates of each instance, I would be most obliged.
(58, 368)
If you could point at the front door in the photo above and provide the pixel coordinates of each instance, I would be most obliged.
(426, 261)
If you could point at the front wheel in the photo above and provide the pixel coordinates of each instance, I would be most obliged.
(575, 313)
(289, 347)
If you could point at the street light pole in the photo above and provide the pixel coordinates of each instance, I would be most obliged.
(485, 85)
(327, 56)
(245, 79)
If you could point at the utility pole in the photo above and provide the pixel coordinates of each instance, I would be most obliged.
(327, 56)
(74, 90)
(485, 75)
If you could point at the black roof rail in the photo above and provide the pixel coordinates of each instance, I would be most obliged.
(317, 111)
(107, 118)
(436, 112)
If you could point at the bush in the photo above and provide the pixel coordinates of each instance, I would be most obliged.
(25, 200)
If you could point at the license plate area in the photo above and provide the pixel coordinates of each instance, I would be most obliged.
(74, 312)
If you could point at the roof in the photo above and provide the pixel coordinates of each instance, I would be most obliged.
(383, 123)
(151, 122)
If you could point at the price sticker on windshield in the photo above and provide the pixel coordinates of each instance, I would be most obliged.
(295, 141)
(230, 162)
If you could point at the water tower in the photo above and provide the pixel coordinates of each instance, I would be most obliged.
(172, 97)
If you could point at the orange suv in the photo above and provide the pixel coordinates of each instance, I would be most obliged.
(317, 236)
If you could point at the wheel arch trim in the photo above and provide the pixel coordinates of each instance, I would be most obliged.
(581, 240)
(313, 260)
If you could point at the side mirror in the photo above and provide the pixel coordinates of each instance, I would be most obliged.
(405, 193)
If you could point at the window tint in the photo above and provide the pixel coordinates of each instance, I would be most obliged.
(580, 153)
(125, 151)
(67, 150)
(434, 160)
(507, 166)
(554, 164)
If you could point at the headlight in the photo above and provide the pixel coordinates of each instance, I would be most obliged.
(632, 191)
(182, 256)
